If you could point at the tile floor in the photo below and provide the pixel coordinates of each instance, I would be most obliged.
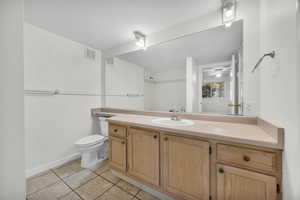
(71, 182)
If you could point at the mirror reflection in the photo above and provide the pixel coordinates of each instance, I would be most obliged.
(201, 72)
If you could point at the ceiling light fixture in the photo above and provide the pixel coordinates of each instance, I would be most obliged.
(140, 39)
(218, 75)
(228, 12)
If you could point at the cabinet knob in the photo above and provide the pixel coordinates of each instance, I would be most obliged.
(123, 142)
(155, 136)
(166, 139)
(221, 170)
(246, 158)
(115, 130)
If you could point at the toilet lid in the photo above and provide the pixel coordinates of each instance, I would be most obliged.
(90, 140)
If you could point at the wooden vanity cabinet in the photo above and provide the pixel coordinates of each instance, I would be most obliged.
(247, 173)
(238, 184)
(143, 155)
(247, 158)
(192, 168)
(117, 131)
(185, 167)
(117, 153)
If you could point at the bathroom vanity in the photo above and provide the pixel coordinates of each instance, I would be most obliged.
(208, 160)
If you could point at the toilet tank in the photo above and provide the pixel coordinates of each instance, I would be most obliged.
(103, 125)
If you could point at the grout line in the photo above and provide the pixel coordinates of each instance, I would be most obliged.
(69, 186)
(135, 196)
(27, 195)
(104, 192)
(127, 191)
(60, 179)
(67, 175)
(43, 188)
(116, 185)
(97, 175)
(108, 179)
(113, 184)
(66, 195)
(100, 173)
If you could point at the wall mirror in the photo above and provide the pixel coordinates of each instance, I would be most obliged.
(201, 72)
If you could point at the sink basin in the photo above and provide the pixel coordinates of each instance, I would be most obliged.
(170, 122)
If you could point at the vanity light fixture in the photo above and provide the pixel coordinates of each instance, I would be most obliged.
(228, 12)
(140, 39)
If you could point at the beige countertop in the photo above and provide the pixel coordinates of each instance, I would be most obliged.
(259, 134)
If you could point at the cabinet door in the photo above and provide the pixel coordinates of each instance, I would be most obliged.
(236, 184)
(185, 167)
(117, 153)
(143, 155)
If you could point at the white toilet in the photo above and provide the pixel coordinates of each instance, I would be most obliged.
(93, 148)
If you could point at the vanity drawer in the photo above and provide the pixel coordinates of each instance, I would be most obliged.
(116, 130)
(248, 158)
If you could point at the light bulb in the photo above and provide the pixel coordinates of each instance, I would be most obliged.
(140, 42)
(228, 24)
(229, 13)
(140, 39)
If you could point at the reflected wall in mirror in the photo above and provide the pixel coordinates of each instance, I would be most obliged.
(201, 72)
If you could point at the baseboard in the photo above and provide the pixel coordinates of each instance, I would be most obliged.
(50, 165)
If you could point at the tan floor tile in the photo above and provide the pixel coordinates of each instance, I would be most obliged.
(146, 196)
(68, 169)
(70, 196)
(108, 175)
(51, 193)
(40, 181)
(94, 188)
(101, 167)
(80, 178)
(128, 187)
(115, 193)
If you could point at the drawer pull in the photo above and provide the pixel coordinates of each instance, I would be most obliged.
(115, 130)
(155, 136)
(221, 170)
(246, 158)
(123, 142)
(166, 139)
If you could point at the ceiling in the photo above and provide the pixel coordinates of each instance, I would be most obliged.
(104, 24)
(210, 46)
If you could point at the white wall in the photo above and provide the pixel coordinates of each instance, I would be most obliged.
(248, 11)
(168, 91)
(12, 167)
(122, 78)
(54, 123)
(280, 83)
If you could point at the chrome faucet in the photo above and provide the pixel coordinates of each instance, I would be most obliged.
(175, 115)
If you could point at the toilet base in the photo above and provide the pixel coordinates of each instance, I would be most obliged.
(93, 156)
(93, 164)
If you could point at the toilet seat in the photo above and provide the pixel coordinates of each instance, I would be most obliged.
(90, 140)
